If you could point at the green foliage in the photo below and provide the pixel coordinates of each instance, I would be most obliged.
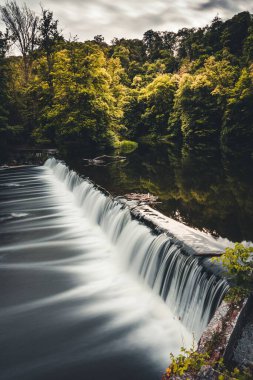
(222, 76)
(248, 46)
(157, 99)
(237, 294)
(197, 108)
(87, 99)
(238, 262)
(49, 34)
(235, 31)
(187, 361)
(194, 85)
(201, 99)
(238, 121)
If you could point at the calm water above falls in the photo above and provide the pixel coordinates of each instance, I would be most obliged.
(68, 310)
(200, 187)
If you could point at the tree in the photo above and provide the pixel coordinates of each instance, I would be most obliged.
(238, 121)
(184, 40)
(202, 99)
(118, 91)
(198, 110)
(248, 46)
(169, 40)
(158, 97)
(49, 34)
(153, 43)
(48, 38)
(99, 39)
(122, 53)
(132, 55)
(22, 24)
(192, 85)
(213, 35)
(235, 31)
(87, 96)
(3, 89)
(222, 75)
(132, 113)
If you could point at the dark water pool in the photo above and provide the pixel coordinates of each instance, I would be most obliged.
(200, 187)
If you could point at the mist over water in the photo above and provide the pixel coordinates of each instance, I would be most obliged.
(76, 275)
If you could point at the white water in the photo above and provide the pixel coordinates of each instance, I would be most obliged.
(67, 310)
(191, 294)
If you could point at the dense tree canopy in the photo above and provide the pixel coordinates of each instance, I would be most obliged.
(193, 85)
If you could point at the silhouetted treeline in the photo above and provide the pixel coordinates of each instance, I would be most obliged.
(196, 84)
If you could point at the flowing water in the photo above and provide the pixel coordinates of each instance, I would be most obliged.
(80, 282)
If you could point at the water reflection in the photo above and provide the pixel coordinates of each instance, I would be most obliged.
(198, 185)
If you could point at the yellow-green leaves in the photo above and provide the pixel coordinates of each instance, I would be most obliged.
(221, 74)
(238, 260)
(83, 95)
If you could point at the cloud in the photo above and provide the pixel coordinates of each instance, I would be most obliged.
(131, 18)
(226, 5)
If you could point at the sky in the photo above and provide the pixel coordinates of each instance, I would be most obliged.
(131, 18)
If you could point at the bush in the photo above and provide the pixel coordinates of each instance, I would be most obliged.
(238, 262)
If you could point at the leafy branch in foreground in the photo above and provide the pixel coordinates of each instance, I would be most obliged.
(191, 364)
(187, 360)
(238, 262)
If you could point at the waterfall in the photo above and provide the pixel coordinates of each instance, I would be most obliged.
(180, 279)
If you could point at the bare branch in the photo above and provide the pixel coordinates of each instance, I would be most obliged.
(22, 24)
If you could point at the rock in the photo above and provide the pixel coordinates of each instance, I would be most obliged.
(206, 373)
(243, 353)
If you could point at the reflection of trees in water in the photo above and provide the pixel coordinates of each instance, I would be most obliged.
(205, 198)
(215, 194)
(239, 176)
(197, 184)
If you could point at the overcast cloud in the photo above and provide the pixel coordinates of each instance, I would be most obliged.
(131, 18)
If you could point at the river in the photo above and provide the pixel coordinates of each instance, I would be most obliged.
(76, 299)
(199, 186)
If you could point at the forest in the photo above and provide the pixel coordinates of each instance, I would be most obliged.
(194, 86)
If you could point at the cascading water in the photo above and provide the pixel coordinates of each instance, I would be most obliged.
(191, 293)
(68, 311)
